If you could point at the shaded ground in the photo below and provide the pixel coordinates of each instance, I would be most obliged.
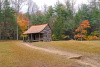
(15, 54)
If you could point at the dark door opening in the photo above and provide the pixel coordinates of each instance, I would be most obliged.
(34, 36)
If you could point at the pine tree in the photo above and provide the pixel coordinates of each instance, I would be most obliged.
(8, 20)
(0, 19)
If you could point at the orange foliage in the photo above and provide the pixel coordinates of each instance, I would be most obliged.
(84, 31)
(84, 25)
(93, 38)
(22, 21)
(78, 36)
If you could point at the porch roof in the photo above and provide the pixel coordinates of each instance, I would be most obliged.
(36, 29)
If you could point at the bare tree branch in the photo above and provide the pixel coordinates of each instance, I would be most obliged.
(17, 5)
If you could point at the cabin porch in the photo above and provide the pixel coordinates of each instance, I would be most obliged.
(33, 37)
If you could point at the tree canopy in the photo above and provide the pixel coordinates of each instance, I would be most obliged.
(64, 20)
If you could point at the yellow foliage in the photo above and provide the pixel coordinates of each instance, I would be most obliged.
(54, 37)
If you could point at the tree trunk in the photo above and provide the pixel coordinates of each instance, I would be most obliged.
(99, 35)
(0, 21)
(81, 31)
(0, 33)
(99, 32)
(81, 35)
(17, 31)
(28, 23)
(17, 25)
(23, 39)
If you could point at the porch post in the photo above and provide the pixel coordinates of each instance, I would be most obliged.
(31, 37)
(23, 38)
(28, 37)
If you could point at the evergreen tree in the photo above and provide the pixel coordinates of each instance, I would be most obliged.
(61, 14)
(8, 21)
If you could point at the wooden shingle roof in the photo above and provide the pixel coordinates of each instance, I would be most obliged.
(36, 29)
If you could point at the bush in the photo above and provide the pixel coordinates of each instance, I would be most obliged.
(95, 33)
(65, 37)
(21, 37)
(93, 38)
(54, 37)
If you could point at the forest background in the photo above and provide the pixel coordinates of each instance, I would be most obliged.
(65, 21)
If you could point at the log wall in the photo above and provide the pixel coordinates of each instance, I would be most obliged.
(47, 34)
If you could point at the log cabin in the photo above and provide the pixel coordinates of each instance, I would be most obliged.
(38, 33)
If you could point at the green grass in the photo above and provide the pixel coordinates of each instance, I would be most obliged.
(15, 54)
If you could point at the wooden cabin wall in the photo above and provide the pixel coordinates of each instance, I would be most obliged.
(47, 34)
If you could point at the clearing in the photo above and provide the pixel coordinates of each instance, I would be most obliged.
(19, 54)
(90, 50)
(15, 54)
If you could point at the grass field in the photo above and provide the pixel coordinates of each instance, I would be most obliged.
(15, 54)
(88, 49)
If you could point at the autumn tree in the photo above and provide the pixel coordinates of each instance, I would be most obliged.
(23, 22)
(82, 29)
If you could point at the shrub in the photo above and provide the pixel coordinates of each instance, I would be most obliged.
(93, 38)
(65, 37)
(21, 37)
(54, 37)
(95, 33)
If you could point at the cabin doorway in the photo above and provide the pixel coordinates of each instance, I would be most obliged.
(34, 36)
